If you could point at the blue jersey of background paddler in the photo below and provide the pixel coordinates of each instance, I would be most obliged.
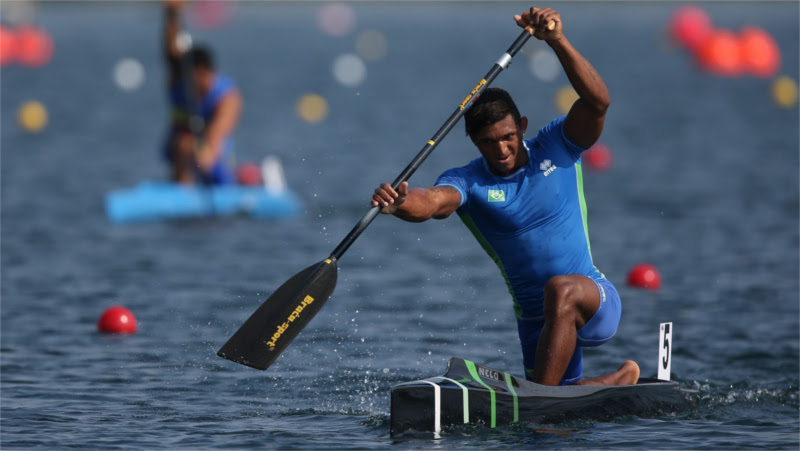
(532, 222)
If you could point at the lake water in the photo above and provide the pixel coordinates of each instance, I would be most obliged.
(704, 185)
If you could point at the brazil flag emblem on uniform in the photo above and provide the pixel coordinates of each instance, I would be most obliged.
(497, 195)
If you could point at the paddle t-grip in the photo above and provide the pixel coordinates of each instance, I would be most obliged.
(550, 26)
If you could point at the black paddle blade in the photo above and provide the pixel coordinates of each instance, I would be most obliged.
(269, 330)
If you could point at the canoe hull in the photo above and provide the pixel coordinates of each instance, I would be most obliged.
(155, 201)
(473, 394)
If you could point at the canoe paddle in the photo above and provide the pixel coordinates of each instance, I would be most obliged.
(270, 329)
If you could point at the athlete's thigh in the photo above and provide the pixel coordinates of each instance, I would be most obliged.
(603, 324)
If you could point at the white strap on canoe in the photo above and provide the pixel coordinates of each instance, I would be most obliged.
(437, 409)
(464, 395)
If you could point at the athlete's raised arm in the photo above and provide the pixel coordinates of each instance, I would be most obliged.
(584, 122)
(172, 28)
(417, 204)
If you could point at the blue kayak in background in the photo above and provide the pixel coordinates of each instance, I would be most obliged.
(155, 200)
(263, 194)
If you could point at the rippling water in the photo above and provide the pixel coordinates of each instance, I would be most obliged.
(704, 185)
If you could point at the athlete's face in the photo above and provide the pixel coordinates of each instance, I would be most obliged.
(501, 145)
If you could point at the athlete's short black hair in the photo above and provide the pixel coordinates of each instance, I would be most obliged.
(492, 106)
(201, 56)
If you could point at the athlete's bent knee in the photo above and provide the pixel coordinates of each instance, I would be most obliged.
(559, 297)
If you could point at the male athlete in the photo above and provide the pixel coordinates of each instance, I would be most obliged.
(523, 201)
(206, 107)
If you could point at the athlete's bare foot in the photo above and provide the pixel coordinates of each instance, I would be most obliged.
(627, 374)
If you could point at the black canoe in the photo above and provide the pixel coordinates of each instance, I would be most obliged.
(474, 394)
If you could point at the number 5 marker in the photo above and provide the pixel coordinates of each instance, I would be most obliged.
(665, 351)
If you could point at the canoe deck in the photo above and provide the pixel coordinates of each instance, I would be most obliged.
(474, 394)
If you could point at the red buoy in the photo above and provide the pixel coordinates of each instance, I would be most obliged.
(644, 275)
(117, 320)
(689, 26)
(759, 52)
(8, 46)
(34, 46)
(597, 157)
(248, 174)
(720, 53)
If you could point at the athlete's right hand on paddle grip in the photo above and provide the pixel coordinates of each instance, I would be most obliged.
(389, 199)
(542, 23)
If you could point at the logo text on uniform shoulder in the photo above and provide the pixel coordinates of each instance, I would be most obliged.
(547, 167)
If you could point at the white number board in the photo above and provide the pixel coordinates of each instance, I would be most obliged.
(665, 351)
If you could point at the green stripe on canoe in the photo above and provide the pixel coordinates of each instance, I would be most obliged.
(474, 373)
(513, 393)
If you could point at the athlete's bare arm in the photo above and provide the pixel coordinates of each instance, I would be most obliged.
(222, 124)
(584, 122)
(172, 54)
(417, 204)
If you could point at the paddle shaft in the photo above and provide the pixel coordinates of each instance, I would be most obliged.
(448, 125)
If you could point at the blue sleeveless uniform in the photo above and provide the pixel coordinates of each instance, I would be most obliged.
(223, 171)
(532, 223)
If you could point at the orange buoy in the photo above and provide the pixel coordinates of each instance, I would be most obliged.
(720, 53)
(34, 46)
(689, 26)
(644, 275)
(759, 52)
(117, 320)
(8, 46)
(784, 92)
(597, 157)
(312, 108)
(32, 116)
(248, 174)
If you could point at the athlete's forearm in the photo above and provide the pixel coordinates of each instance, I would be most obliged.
(415, 207)
(225, 118)
(221, 126)
(421, 204)
(582, 75)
